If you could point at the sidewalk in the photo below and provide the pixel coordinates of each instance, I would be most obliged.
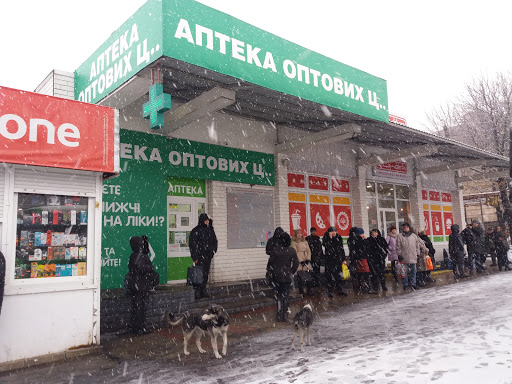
(166, 344)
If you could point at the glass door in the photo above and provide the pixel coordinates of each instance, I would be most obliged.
(182, 216)
(387, 218)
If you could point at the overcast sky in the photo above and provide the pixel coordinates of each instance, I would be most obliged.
(425, 52)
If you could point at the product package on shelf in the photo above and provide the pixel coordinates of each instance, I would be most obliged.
(33, 270)
(74, 252)
(83, 217)
(24, 239)
(73, 217)
(44, 218)
(74, 270)
(50, 253)
(82, 252)
(67, 253)
(82, 268)
(40, 270)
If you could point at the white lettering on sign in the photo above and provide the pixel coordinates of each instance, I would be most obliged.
(18, 128)
(189, 160)
(188, 189)
(219, 41)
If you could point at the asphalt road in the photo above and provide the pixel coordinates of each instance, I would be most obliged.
(458, 333)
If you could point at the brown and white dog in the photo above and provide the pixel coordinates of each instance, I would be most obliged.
(214, 320)
(302, 322)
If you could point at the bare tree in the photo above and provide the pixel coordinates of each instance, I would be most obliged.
(481, 117)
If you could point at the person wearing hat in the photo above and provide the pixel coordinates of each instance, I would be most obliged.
(334, 258)
(317, 254)
(203, 246)
(408, 250)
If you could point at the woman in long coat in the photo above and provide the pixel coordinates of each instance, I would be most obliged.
(301, 246)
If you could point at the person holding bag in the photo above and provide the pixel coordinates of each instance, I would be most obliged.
(141, 279)
(304, 276)
(334, 259)
(408, 250)
(377, 254)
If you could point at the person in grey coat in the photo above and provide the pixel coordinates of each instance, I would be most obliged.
(408, 250)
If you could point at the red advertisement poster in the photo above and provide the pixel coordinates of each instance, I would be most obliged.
(318, 182)
(437, 223)
(446, 197)
(434, 196)
(342, 219)
(339, 185)
(320, 218)
(426, 223)
(296, 180)
(49, 131)
(298, 216)
(424, 195)
(448, 222)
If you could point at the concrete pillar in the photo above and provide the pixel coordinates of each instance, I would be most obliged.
(459, 213)
(416, 202)
(358, 192)
(281, 207)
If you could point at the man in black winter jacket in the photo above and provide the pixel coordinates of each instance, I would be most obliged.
(144, 279)
(203, 246)
(456, 250)
(334, 259)
(317, 254)
(473, 237)
(282, 265)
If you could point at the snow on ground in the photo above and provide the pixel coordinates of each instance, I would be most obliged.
(459, 333)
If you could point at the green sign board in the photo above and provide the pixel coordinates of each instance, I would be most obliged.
(135, 202)
(194, 33)
(178, 186)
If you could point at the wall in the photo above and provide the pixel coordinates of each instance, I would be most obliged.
(59, 84)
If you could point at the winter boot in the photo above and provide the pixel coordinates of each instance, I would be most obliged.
(197, 293)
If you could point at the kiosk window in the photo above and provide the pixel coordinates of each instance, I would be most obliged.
(250, 218)
(51, 236)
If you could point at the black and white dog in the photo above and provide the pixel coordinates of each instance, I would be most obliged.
(214, 320)
(302, 322)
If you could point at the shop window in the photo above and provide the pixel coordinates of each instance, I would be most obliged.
(385, 191)
(370, 189)
(371, 207)
(51, 236)
(402, 192)
(404, 212)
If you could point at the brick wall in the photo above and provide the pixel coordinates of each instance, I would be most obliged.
(59, 84)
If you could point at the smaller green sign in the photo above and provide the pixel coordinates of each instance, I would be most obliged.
(178, 186)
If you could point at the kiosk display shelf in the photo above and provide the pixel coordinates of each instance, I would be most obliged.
(51, 236)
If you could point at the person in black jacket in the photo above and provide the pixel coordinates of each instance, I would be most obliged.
(334, 258)
(144, 279)
(317, 254)
(283, 264)
(502, 247)
(456, 250)
(357, 246)
(2, 279)
(377, 254)
(473, 237)
(203, 246)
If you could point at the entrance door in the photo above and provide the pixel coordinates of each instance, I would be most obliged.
(387, 218)
(182, 216)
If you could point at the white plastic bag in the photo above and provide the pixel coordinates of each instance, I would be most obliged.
(509, 256)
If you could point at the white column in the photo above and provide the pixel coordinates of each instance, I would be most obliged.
(281, 208)
(359, 199)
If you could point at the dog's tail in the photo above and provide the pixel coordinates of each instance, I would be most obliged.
(175, 320)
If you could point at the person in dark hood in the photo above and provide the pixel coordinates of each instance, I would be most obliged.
(317, 254)
(377, 254)
(502, 247)
(283, 264)
(456, 250)
(473, 237)
(203, 246)
(334, 258)
(490, 246)
(144, 279)
(2, 279)
(271, 244)
(358, 251)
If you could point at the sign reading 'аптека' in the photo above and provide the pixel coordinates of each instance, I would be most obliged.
(194, 33)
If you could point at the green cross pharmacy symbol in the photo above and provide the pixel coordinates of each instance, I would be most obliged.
(158, 103)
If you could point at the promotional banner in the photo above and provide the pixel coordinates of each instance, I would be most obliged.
(193, 33)
(437, 223)
(342, 219)
(426, 222)
(448, 222)
(298, 217)
(320, 217)
(49, 131)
